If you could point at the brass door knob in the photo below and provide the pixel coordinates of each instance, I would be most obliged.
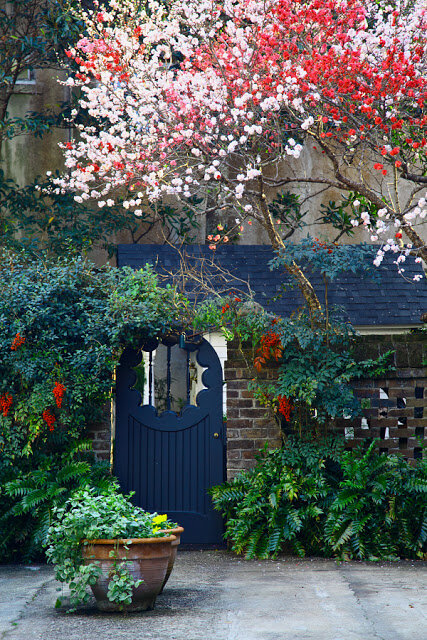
(216, 435)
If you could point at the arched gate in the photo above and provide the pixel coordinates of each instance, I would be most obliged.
(170, 441)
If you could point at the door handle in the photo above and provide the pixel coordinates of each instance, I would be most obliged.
(216, 435)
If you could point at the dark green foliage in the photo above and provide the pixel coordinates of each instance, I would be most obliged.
(33, 35)
(328, 258)
(280, 503)
(339, 215)
(317, 361)
(32, 488)
(318, 364)
(286, 208)
(322, 500)
(380, 509)
(73, 320)
(35, 219)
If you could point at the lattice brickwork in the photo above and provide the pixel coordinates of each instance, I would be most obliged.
(395, 408)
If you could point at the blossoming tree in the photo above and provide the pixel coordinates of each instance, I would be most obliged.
(215, 99)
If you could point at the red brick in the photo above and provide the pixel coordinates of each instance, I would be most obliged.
(253, 413)
(100, 445)
(240, 444)
(239, 403)
(238, 423)
(232, 393)
(248, 455)
(233, 434)
(233, 413)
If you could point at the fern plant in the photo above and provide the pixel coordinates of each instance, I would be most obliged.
(380, 510)
(282, 502)
(29, 495)
(319, 499)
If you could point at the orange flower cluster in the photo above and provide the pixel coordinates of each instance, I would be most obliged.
(285, 407)
(49, 418)
(227, 306)
(18, 341)
(318, 245)
(5, 403)
(270, 347)
(217, 237)
(58, 392)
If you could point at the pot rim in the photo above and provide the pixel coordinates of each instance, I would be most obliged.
(176, 530)
(123, 541)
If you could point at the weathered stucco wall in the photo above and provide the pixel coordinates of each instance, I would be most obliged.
(25, 157)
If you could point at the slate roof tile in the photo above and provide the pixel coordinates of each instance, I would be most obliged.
(393, 300)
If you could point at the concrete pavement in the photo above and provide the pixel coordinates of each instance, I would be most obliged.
(213, 595)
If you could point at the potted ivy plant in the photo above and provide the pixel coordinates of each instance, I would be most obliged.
(104, 542)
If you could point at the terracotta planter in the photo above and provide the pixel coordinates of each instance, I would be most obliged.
(173, 551)
(147, 559)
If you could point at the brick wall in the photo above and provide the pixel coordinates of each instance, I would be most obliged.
(100, 433)
(395, 407)
(249, 427)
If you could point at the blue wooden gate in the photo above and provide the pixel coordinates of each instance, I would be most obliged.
(170, 458)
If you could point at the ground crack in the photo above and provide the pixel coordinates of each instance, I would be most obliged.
(15, 623)
(353, 588)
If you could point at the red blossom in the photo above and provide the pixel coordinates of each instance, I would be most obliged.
(58, 392)
(6, 401)
(49, 418)
(270, 347)
(18, 341)
(285, 407)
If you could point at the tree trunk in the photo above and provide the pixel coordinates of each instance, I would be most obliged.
(305, 286)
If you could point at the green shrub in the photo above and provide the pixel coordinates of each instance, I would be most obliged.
(380, 508)
(319, 499)
(63, 326)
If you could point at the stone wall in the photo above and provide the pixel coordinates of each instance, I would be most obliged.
(394, 407)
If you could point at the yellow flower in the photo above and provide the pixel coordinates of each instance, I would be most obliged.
(156, 529)
(160, 518)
